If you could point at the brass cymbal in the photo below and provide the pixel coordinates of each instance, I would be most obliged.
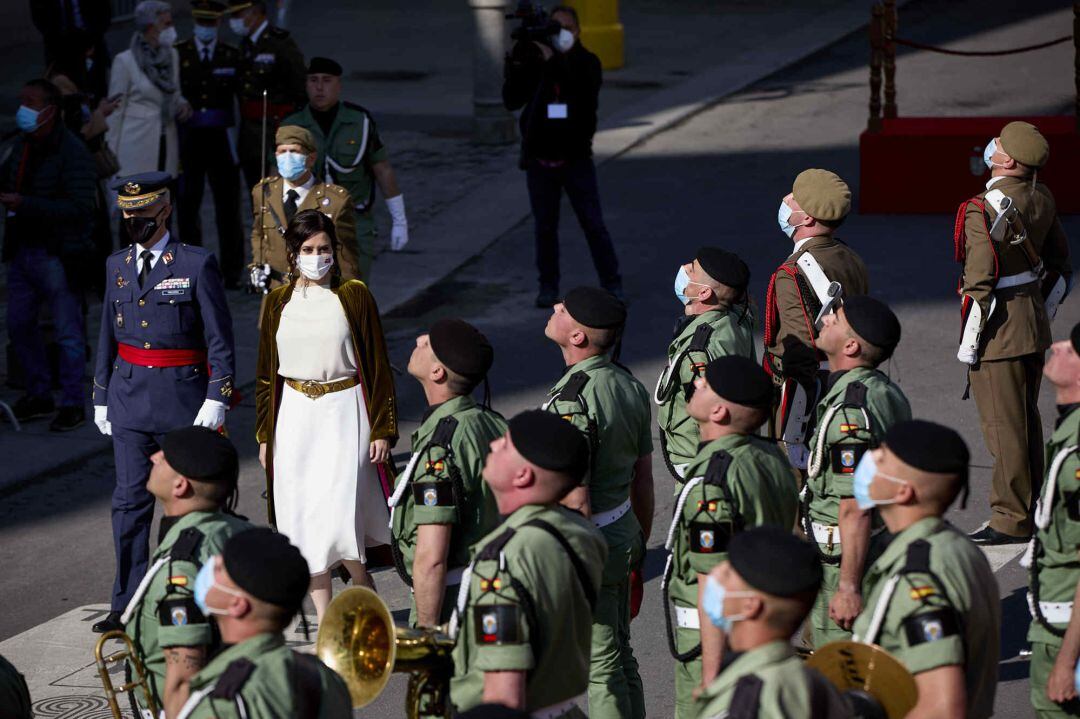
(867, 669)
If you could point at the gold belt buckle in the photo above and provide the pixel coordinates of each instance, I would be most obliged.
(313, 389)
(829, 542)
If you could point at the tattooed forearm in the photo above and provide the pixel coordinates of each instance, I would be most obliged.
(189, 659)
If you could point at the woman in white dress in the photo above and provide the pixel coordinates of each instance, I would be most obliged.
(325, 410)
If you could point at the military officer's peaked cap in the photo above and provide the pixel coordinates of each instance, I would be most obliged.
(201, 453)
(550, 442)
(235, 7)
(929, 446)
(264, 564)
(740, 380)
(461, 348)
(822, 195)
(1074, 337)
(324, 66)
(207, 9)
(296, 135)
(1023, 142)
(724, 267)
(142, 190)
(873, 321)
(775, 561)
(595, 308)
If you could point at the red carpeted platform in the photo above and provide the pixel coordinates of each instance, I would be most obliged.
(932, 164)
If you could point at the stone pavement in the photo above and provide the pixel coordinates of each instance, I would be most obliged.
(461, 197)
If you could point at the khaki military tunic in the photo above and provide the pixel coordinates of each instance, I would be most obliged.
(1007, 377)
(842, 434)
(756, 489)
(166, 614)
(940, 609)
(1056, 561)
(788, 690)
(528, 609)
(261, 677)
(698, 340)
(268, 229)
(442, 484)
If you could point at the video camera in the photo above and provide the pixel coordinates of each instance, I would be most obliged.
(536, 24)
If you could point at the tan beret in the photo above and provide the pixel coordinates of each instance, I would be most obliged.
(1023, 142)
(295, 135)
(822, 195)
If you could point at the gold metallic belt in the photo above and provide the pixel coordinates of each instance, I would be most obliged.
(313, 389)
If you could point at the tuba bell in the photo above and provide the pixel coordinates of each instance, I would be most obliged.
(131, 654)
(873, 682)
(357, 639)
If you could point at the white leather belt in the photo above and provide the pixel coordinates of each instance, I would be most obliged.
(687, 618)
(826, 534)
(611, 516)
(453, 577)
(1056, 612)
(1020, 278)
(557, 710)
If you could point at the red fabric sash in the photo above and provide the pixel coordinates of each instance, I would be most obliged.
(161, 358)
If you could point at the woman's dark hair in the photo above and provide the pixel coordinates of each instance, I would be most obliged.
(305, 225)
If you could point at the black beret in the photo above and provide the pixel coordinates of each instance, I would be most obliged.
(549, 441)
(595, 308)
(740, 380)
(773, 560)
(461, 347)
(1074, 337)
(323, 66)
(873, 321)
(263, 563)
(724, 267)
(929, 446)
(201, 453)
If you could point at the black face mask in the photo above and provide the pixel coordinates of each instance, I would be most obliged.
(141, 229)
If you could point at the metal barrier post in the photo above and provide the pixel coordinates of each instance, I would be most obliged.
(890, 58)
(876, 13)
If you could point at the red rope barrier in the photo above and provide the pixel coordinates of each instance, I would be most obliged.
(977, 53)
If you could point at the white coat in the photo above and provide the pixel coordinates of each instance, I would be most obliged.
(135, 127)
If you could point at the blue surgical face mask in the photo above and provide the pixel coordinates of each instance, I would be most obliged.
(712, 602)
(204, 582)
(988, 153)
(26, 118)
(865, 472)
(682, 279)
(238, 26)
(205, 33)
(782, 217)
(1076, 677)
(291, 165)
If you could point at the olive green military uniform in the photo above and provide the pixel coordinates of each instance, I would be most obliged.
(273, 63)
(14, 694)
(788, 688)
(528, 609)
(698, 340)
(268, 227)
(843, 433)
(166, 615)
(755, 487)
(1056, 562)
(605, 402)
(261, 677)
(346, 158)
(1005, 381)
(940, 607)
(443, 485)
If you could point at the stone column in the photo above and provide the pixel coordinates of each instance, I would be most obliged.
(492, 123)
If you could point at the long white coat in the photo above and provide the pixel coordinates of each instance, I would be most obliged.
(135, 127)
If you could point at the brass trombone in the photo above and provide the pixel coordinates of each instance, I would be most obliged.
(130, 653)
(357, 639)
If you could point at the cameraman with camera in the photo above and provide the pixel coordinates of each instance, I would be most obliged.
(557, 82)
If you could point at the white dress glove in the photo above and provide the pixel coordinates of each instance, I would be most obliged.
(211, 414)
(967, 354)
(260, 277)
(100, 419)
(399, 231)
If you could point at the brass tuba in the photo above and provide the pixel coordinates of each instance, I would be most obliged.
(357, 639)
(873, 682)
(131, 654)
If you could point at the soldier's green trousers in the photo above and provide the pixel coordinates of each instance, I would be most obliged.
(823, 629)
(687, 674)
(1042, 663)
(615, 690)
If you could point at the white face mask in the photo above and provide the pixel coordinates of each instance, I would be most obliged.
(167, 36)
(236, 24)
(314, 267)
(564, 40)
(782, 217)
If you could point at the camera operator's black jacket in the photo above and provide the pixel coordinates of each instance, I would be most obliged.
(572, 78)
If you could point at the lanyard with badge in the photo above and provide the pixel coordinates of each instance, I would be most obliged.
(557, 110)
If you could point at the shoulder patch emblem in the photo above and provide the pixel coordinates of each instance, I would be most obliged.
(431, 497)
(930, 626)
(179, 616)
(497, 624)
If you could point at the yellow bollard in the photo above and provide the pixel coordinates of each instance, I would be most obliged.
(601, 31)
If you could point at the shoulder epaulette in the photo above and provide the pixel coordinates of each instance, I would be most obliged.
(232, 680)
(572, 389)
(358, 108)
(746, 699)
(855, 394)
(700, 341)
(187, 544)
(717, 468)
(490, 551)
(918, 557)
(444, 431)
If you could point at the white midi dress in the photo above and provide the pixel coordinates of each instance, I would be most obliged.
(327, 496)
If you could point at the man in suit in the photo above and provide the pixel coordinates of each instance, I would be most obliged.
(276, 200)
(165, 359)
(208, 76)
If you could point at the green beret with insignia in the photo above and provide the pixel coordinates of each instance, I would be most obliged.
(296, 135)
(1023, 142)
(822, 195)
